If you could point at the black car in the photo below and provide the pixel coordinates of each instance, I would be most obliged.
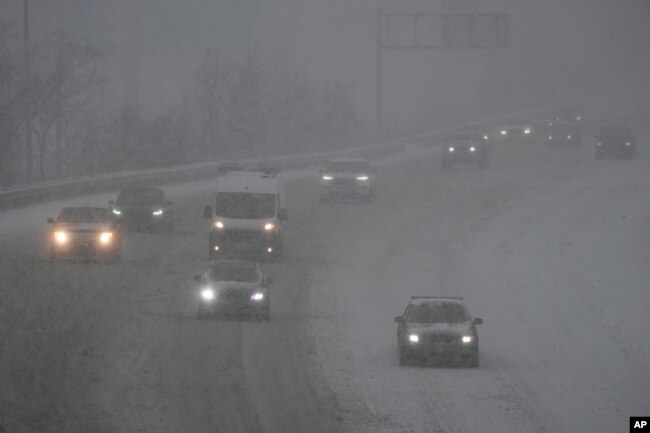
(464, 147)
(440, 328)
(616, 141)
(84, 232)
(563, 134)
(143, 208)
(234, 287)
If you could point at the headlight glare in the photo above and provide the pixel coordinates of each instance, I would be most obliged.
(60, 237)
(451, 149)
(269, 226)
(472, 149)
(327, 177)
(363, 177)
(117, 212)
(208, 294)
(105, 238)
(504, 132)
(219, 224)
(257, 296)
(414, 338)
(467, 339)
(158, 212)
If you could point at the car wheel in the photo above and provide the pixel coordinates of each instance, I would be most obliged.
(473, 360)
(403, 358)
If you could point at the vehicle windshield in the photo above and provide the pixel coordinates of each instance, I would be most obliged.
(561, 128)
(348, 167)
(244, 205)
(140, 197)
(242, 274)
(437, 313)
(614, 132)
(77, 215)
(464, 136)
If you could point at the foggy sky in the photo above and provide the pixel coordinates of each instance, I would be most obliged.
(594, 53)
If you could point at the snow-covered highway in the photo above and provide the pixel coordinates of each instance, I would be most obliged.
(549, 246)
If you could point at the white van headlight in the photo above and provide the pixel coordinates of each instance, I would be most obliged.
(362, 178)
(157, 212)
(327, 177)
(269, 226)
(219, 224)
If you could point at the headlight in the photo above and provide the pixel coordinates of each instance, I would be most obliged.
(269, 226)
(257, 296)
(486, 137)
(599, 144)
(158, 212)
(327, 177)
(60, 237)
(105, 238)
(578, 118)
(628, 143)
(414, 338)
(219, 224)
(467, 339)
(550, 137)
(362, 177)
(504, 132)
(117, 211)
(208, 294)
(472, 149)
(527, 131)
(568, 137)
(451, 149)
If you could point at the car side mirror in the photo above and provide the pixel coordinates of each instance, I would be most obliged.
(283, 215)
(478, 321)
(50, 220)
(207, 212)
(197, 278)
(269, 281)
(399, 319)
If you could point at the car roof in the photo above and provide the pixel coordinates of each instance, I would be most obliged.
(423, 300)
(359, 160)
(246, 181)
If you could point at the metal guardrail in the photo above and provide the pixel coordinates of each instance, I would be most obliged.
(67, 188)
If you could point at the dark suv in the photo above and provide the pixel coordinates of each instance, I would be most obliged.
(143, 208)
(617, 141)
(437, 328)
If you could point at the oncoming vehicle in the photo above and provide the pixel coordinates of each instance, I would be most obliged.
(234, 287)
(562, 134)
(617, 141)
(248, 214)
(347, 178)
(437, 327)
(143, 208)
(514, 134)
(464, 147)
(84, 232)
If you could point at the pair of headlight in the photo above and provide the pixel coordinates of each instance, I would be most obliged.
(362, 177)
(208, 294)
(220, 226)
(61, 237)
(453, 149)
(415, 338)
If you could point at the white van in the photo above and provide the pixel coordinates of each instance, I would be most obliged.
(248, 213)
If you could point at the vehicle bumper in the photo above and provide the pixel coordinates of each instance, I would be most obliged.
(241, 241)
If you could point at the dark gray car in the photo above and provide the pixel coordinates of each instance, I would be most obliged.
(437, 328)
(143, 208)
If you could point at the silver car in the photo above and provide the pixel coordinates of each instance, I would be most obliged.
(234, 288)
(347, 178)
